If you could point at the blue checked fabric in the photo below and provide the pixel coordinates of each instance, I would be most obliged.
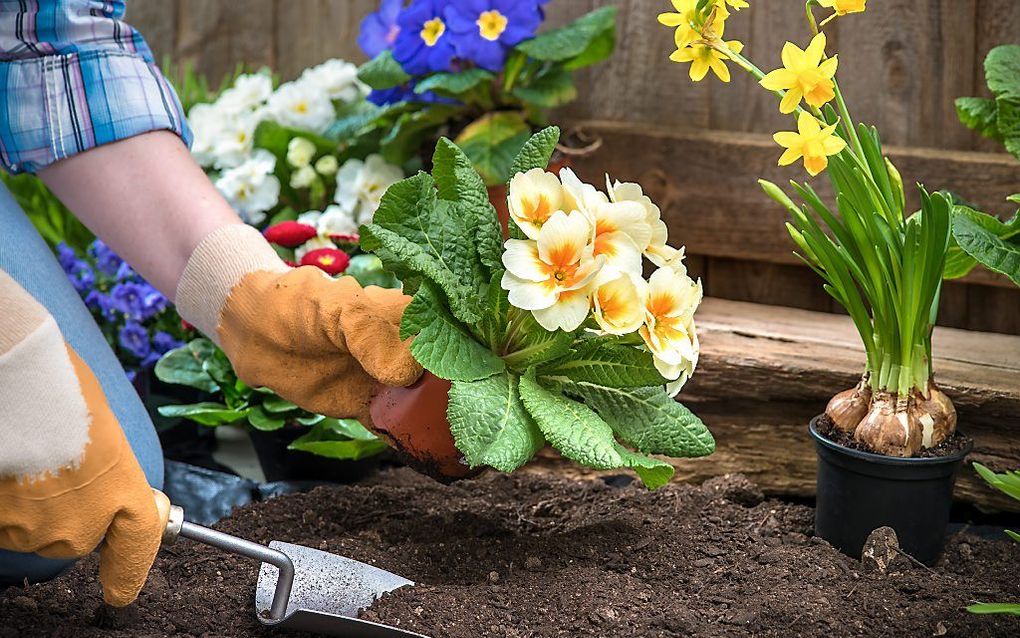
(73, 76)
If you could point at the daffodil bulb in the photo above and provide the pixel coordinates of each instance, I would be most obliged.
(553, 275)
(619, 304)
(532, 198)
(669, 332)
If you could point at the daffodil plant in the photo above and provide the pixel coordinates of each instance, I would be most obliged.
(552, 336)
(882, 264)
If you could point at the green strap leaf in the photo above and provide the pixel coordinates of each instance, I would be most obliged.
(490, 425)
(607, 364)
(443, 345)
(995, 608)
(647, 419)
(383, 72)
(1008, 482)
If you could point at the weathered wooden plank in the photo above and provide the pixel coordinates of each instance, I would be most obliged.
(217, 36)
(705, 182)
(313, 31)
(765, 371)
(157, 22)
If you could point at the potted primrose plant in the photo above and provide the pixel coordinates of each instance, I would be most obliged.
(551, 337)
(887, 448)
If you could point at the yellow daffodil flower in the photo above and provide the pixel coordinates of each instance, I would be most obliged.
(703, 57)
(740, 4)
(619, 304)
(668, 331)
(553, 276)
(843, 7)
(684, 17)
(532, 199)
(805, 75)
(812, 142)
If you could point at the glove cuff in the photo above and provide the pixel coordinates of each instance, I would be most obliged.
(220, 261)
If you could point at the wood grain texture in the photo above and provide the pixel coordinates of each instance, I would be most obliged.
(766, 371)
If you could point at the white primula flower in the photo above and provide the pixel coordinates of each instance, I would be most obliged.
(311, 217)
(303, 177)
(221, 139)
(249, 92)
(300, 152)
(669, 331)
(532, 199)
(360, 185)
(338, 78)
(327, 165)
(302, 106)
(206, 123)
(337, 224)
(619, 304)
(577, 195)
(251, 188)
(657, 251)
(312, 244)
(553, 276)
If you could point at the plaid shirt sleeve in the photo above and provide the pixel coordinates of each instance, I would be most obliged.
(73, 76)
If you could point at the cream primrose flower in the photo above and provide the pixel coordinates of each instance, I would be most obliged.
(656, 250)
(553, 276)
(251, 188)
(532, 199)
(249, 93)
(619, 304)
(303, 177)
(669, 331)
(338, 78)
(300, 152)
(301, 105)
(360, 185)
(578, 195)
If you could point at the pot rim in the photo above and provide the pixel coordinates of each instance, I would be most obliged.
(881, 459)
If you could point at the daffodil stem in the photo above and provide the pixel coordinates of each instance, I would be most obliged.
(848, 122)
(748, 66)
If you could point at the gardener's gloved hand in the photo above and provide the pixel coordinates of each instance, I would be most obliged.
(69, 481)
(325, 344)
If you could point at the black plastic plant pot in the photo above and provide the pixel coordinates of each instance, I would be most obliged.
(860, 491)
(280, 464)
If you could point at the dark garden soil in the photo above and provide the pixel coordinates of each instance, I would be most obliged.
(532, 556)
(954, 445)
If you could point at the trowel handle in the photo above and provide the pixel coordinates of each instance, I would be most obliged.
(177, 526)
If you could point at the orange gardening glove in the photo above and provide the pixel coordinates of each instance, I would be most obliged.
(324, 344)
(69, 481)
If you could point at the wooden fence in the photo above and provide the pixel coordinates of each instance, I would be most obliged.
(698, 147)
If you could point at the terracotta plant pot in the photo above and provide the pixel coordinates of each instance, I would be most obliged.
(413, 419)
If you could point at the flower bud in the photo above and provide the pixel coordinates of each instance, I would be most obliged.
(300, 152)
(327, 165)
(303, 177)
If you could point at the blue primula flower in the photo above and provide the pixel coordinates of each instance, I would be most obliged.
(484, 30)
(129, 298)
(107, 261)
(66, 257)
(163, 342)
(82, 277)
(423, 44)
(405, 93)
(135, 339)
(379, 30)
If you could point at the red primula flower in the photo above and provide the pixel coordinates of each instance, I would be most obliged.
(344, 238)
(289, 234)
(330, 260)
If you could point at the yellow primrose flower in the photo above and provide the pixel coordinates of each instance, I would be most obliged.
(532, 199)
(843, 7)
(657, 250)
(669, 333)
(812, 142)
(805, 75)
(553, 276)
(703, 57)
(619, 304)
(683, 18)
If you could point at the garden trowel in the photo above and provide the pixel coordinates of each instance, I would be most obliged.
(301, 588)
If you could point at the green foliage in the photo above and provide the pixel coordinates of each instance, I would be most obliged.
(49, 216)
(205, 413)
(587, 40)
(490, 423)
(369, 271)
(183, 366)
(983, 238)
(440, 234)
(492, 142)
(1008, 483)
(343, 439)
(997, 118)
(456, 84)
(383, 72)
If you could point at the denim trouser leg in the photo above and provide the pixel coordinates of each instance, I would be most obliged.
(26, 257)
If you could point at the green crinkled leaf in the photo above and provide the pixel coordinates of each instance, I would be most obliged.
(648, 420)
(548, 90)
(537, 151)
(986, 246)
(415, 234)
(573, 40)
(995, 608)
(492, 141)
(654, 473)
(490, 425)
(454, 84)
(607, 364)
(458, 181)
(261, 419)
(443, 345)
(383, 72)
(978, 114)
(1002, 71)
(344, 439)
(205, 413)
(405, 138)
(183, 366)
(1007, 122)
(536, 345)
